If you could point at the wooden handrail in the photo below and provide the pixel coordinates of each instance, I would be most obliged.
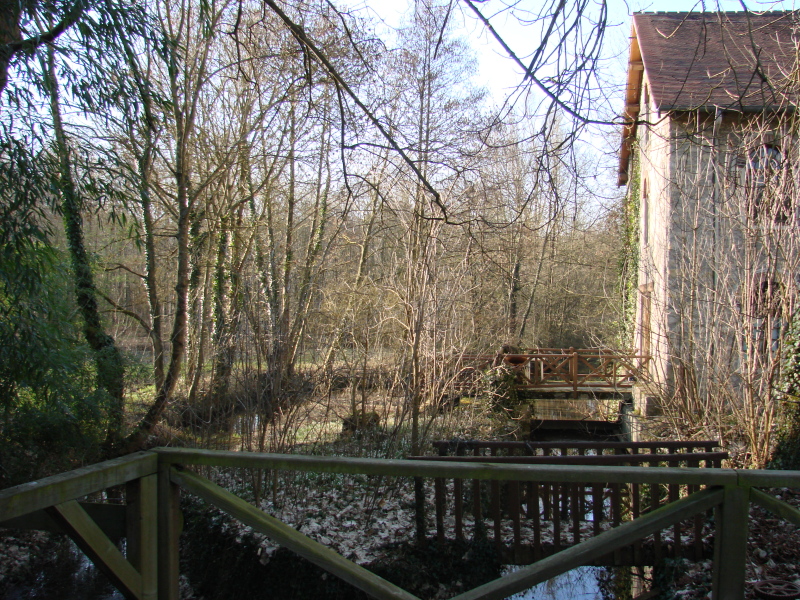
(576, 459)
(153, 479)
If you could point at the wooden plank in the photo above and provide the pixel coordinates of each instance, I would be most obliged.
(514, 512)
(556, 510)
(705, 445)
(477, 510)
(597, 507)
(576, 515)
(37, 495)
(730, 544)
(574, 459)
(458, 503)
(428, 468)
(439, 501)
(142, 539)
(775, 506)
(169, 528)
(109, 517)
(292, 539)
(593, 548)
(768, 478)
(96, 545)
(537, 521)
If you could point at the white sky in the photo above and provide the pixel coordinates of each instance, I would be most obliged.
(498, 72)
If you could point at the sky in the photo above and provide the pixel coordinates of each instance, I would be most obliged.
(499, 74)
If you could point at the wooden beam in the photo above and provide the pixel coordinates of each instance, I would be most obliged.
(427, 468)
(142, 539)
(730, 544)
(775, 506)
(596, 547)
(292, 539)
(169, 529)
(36, 495)
(764, 478)
(109, 517)
(101, 550)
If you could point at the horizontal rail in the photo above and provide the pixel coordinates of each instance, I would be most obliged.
(37, 495)
(577, 459)
(472, 444)
(460, 470)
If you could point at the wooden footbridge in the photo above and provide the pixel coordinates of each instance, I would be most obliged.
(596, 506)
(587, 370)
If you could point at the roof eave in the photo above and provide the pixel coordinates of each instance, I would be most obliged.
(632, 102)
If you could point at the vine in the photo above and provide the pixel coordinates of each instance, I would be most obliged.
(628, 264)
(787, 447)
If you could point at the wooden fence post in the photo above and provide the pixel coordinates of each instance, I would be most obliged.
(730, 544)
(169, 527)
(573, 371)
(142, 532)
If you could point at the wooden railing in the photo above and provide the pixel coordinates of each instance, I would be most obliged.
(150, 517)
(547, 517)
(570, 368)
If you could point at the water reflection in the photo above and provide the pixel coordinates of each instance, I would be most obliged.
(580, 583)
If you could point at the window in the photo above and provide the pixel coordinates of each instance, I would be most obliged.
(765, 185)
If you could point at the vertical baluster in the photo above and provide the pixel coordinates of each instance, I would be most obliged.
(477, 510)
(674, 495)
(495, 486)
(556, 519)
(576, 514)
(582, 491)
(564, 503)
(458, 500)
(546, 493)
(513, 510)
(537, 523)
(439, 490)
(698, 519)
(635, 512)
(597, 506)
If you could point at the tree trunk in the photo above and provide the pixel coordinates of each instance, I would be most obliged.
(108, 361)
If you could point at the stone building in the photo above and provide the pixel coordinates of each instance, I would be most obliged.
(707, 153)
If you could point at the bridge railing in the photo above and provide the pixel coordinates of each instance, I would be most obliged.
(150, 517)
(543, 518)
(571, 368)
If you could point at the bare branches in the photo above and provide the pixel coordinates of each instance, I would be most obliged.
(302, 38)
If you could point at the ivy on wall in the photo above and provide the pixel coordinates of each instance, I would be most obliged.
(629, 254)
(787, 448)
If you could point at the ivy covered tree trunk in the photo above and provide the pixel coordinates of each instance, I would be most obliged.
(108, 360)
(787, 447)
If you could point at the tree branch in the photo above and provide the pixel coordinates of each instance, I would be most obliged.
(299, 33)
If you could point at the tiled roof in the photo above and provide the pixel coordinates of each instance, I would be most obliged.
(734, 60)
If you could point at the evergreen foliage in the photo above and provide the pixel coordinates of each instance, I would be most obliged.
(787, 448)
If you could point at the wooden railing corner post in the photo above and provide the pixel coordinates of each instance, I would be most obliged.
(730, 544)
(142, 532)
(169, 527)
